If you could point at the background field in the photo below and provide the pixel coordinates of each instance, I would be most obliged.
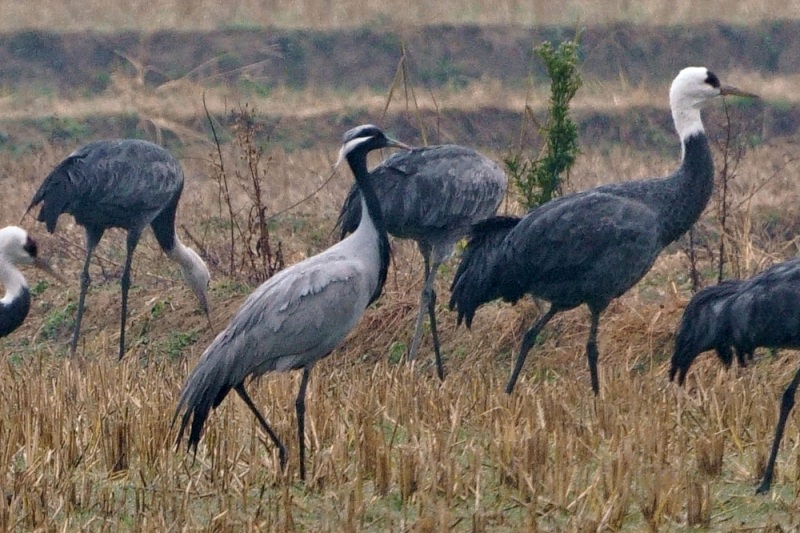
(86, 443)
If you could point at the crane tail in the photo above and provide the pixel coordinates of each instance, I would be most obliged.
(704, 327)
(54, 195)
(207, 385)
(350, 213)
(475, 281)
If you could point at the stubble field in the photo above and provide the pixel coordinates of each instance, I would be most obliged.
(86, 443)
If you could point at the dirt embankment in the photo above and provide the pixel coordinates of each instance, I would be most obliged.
(82, 65)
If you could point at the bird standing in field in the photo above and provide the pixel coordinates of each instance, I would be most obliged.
(431, 195)
(17, 248)
(703, 327)
(591, 247)
(300, 315)
(126, 184)
(763, 311)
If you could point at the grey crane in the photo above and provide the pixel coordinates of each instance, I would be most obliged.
(763, 311)
(298, 316)
(703, 327)
(126, 184)
(592, 246)
(431, 195)
(17, 248)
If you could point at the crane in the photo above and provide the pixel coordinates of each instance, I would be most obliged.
(298, 316)
(592, 246)
(128, 184)
(763, 311)
(431, 195)
(17, 248)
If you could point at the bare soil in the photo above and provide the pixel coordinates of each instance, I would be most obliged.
(439, 57)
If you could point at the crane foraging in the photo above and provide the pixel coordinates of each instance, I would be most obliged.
(431, 195)
(299, 315)
(763, 311)
(126, 184)
(592, 246)
(17, 248)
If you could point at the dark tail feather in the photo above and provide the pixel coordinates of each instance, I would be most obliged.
(205, 389)
(702, 328)
(474, 283)
(55, 192)
(350, 213)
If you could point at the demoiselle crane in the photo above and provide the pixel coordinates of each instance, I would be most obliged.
(299, 315)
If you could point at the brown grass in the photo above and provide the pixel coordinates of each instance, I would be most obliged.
(87, 443)
(71, 15)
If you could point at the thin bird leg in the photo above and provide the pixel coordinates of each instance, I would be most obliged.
(275, 440)
(423, 304)
(132, 241)
(527, 343)
(92, 238)
(300, 407)
(427, 302)
(435, 335)
(591, 351)
(787, 402)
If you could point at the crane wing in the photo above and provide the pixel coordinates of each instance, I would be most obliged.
(577, 247)
(431, 189)
(116, 181)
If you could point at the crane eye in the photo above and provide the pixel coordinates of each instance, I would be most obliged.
(30, 247)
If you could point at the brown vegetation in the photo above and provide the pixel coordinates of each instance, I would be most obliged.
(86, 443)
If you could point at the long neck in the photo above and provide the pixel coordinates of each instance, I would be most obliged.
(16, 302)
(371, 216)
(689, 188)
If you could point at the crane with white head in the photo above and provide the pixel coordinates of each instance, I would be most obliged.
(592, 246)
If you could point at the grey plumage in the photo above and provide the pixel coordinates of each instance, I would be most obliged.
(299, 315)
(761, 311)
(126, 184)
(592, 246)
(431, 195)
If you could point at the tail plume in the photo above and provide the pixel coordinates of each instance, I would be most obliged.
(56, 193)
(206, 387)
(474, 283)
(703, 327)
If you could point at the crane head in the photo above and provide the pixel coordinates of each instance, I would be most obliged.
(365, 138)
(19, 248)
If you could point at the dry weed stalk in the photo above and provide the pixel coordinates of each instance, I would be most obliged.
(250, 251)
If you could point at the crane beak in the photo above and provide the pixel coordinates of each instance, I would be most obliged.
(729, 90)
(397, 144)
(43, 265)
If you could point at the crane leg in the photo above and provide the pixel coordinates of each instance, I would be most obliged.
(275, 440)
(92, 238)
(427, 303)
(527, 343)
(435, 335)
(787, 402)
(300, 407)
(131, 242)
(591, 352)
